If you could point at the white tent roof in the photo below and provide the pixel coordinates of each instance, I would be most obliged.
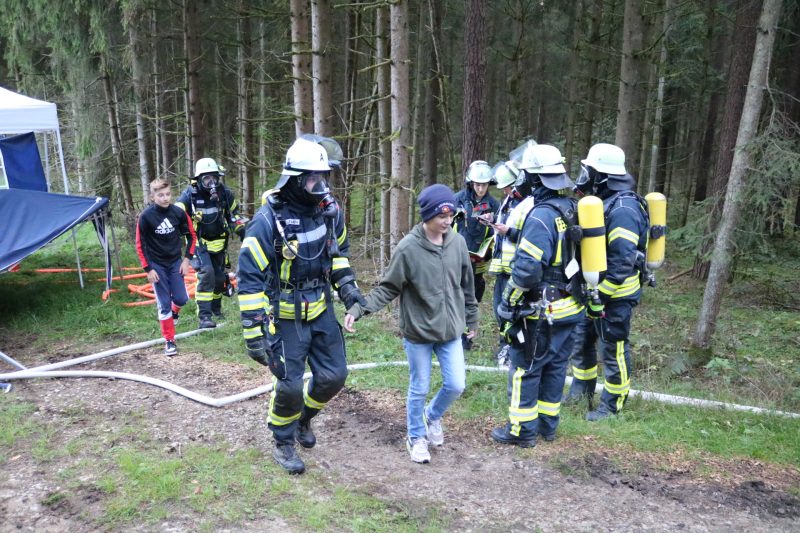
(21, 114)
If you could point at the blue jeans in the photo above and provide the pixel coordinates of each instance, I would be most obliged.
(451, 360)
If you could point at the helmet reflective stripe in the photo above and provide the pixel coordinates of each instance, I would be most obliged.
(305, 156)
(205, 166)
(542, 159)
(606, 158)
(479, 172)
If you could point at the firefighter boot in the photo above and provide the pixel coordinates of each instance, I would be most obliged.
(286, 456)
(304, 434)
(600, 413)
(503, 436)
(579, 390)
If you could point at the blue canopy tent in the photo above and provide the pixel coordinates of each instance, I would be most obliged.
(35, 218)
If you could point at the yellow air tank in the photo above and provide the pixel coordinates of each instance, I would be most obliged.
(593, 243)
(656, 243)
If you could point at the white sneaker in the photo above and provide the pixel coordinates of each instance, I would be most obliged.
(418, 450)
(435, 432)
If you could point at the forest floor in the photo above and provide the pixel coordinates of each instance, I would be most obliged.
(566, 485)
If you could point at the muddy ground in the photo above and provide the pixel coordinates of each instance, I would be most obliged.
(567, 485)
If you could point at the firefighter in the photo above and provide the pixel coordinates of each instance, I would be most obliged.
(294, 253)
(215, 214)
(603, 174)
(541, 303)
(505, 175)
(475, 209)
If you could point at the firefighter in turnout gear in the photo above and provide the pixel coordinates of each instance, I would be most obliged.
(541, 303)
(475, 209)
(215, 214)
(505, 175)
(609, 319)
(295, 252)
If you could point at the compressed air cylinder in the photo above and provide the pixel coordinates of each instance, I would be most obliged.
(656, 242)
(593, 243)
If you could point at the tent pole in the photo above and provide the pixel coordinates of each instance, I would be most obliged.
(66, 191)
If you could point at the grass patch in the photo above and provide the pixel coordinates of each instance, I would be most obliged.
(242, 486)
(15, 424)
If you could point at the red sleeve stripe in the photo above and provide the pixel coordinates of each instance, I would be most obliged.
(139, 249)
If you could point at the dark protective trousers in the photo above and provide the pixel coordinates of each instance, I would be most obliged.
(210, 282)
(320, 342)
(536, 386)
(611, 332)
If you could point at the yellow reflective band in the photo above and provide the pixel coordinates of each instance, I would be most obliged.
(203, 296)
(217, 296)
(613, 388)
(286, 309)
(565, 307)
(281, 420)
(286, 268)
(623, 367)
(515, 296)
(557, 260)
(480, 268)
(252, 244)
(214, 246)
(233, 206)
(181, 205)
(251, 333)
(340, 263)
(516, 387)
(548, 408)
(340, 239)
(531, 249)
(583, 375)
(628, 287)
(496, 266)
(251, 302)
(623, 233)
(309, 401)
(519, 415)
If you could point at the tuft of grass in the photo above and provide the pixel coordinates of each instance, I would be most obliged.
(15, 424)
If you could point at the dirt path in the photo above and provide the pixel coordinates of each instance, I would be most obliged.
(568, 485)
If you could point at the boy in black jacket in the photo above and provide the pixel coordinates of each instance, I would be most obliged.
(158, 243)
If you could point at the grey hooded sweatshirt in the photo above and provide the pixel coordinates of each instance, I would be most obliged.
(435, 285)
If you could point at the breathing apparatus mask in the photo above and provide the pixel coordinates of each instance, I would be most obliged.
(314, 190)
(210, 184)
(588, 181)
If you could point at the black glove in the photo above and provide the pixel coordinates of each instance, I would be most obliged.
(257, 350)
(350, 296)
(595, 309)
(507, 312)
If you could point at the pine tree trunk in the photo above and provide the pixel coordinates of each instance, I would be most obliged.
(401, 134)
(120, 169)
(134, 18)
(662, 68)
(592, 84)
(722, 256)
(301, 69)
(743, 44)
(382, 76)
(321, 66)
(630, 97)
(572, 86)
(194, 110)
(473, 134)
(244, 70)
(432, 132)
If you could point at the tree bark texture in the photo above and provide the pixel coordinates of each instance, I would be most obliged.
(382, 79)
(401, 134)
(738, 74)
(630, 97)
(473, 134)
(116, 142)
(321, 66)
(194, 111)
(301, 69)
(722, 256)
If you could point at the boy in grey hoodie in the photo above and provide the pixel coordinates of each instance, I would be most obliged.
(431, 272)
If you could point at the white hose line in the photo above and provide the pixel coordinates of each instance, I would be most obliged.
(221, 402)
(12, 362)
(116, 351)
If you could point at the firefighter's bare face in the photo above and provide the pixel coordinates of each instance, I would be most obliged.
(162, 197)
(480, 189)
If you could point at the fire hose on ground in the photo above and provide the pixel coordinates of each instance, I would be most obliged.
(49, 371)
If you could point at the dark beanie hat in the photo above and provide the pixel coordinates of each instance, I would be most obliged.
(435, 200)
